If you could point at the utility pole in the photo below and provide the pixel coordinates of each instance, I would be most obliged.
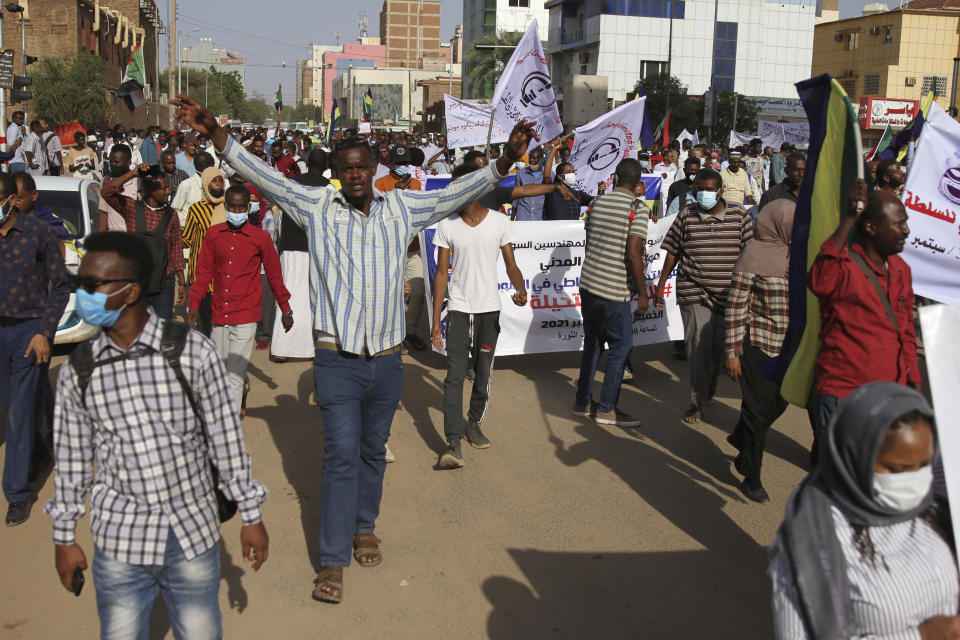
(669, 51)
(156, 68)
(3, 92)
(23, 58)
(171, 42)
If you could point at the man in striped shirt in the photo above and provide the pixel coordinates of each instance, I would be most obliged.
(358, 238)
(605, 291)
(704, 243)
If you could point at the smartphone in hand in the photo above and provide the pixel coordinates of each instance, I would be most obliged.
(77, 581)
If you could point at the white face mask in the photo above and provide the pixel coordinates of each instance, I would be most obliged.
(902, 491)
(520, 164)
(569, 179)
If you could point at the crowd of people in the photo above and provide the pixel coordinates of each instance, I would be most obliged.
(283, 241)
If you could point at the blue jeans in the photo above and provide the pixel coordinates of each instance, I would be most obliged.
(162, 301)
(358, 396)
(16, 167)
(126, 594)
(19, 379)
(609, 321)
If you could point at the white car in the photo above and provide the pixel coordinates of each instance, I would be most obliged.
(75, 201)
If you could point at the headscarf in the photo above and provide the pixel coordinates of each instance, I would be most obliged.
(768, 254)
(219, 210)
(807, 540)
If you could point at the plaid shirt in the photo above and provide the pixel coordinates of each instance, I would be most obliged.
(357, 261)
(127, 207)
(152, 470)
(758, 307)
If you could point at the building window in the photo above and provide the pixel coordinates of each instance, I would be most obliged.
(519, 3)
(849, 85)
(852, 41)
(937, 84)
(871, 85)
(725, 56)
(645, 8)
(888, 34)
(652, 68)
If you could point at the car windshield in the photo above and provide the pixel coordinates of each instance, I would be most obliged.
(67, 205)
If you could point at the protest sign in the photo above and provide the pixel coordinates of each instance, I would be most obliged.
(599, 146)
(932, 199)
(468, 123)
(525, 90)
(550, 257)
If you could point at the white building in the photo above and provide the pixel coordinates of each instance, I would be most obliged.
(204, 54)
(481, 17)
(398, 100)
(754, 47)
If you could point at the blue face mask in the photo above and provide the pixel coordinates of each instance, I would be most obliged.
(707, 199)
(289, 138)
(645, 164)
(91, 307)
(237, 220)
(5, 211)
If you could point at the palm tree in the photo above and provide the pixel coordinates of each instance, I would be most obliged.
(485, 65)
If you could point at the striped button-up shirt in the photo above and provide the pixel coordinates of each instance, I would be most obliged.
(357, 261)
(152, 460)
(913, 579)
(608, 225)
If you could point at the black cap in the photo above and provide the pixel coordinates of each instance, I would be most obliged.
(786, 146)
(400, 155)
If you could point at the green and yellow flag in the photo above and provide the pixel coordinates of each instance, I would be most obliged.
(368, 106)
(131, 87)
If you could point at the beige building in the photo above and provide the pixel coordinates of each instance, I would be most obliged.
(411, 31)
(891, 56)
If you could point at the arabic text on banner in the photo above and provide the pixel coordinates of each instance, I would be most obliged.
(932, 199)
(792, 132)
(468, 123)
(550, 257)
(599, 146)
(525, 90)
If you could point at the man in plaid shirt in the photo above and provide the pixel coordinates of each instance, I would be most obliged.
(154, 515)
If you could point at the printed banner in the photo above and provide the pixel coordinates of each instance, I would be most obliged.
(468, 123)
(932, 199)
(550, 257)
(792, 132)
(599, 146)
(939, 324)
(525, 90)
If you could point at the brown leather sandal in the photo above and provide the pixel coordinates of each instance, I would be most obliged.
(365, 547)
(329, 580)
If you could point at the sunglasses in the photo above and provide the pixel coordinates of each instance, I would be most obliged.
(90, 284)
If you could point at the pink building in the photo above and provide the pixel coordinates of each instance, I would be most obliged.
(363, 56)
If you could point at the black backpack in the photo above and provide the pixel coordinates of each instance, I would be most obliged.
(172, 341)
(157, 241)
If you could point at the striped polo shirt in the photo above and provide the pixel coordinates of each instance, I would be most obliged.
(706, 248)
(608, 224)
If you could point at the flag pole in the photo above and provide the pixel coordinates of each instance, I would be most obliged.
(493, 110)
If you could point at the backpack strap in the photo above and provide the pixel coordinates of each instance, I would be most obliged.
(876, 285)
(161, 229)
(141, 222)
(81, 359)
(172, 342)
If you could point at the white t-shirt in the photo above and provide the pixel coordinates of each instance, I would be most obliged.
(14, 133)
(475, 251)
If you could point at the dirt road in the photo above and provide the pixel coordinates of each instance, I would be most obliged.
(563, 529)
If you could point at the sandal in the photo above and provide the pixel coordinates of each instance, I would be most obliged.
(328, 586)
(693, 415)
(367, 545)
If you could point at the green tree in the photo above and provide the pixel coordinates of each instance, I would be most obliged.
(71, 89)
(302, 113)
(255, 109)
(486, 65)
(747, 115)
(684, 111)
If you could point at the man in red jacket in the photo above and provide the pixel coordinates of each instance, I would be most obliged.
(231, 256)
(866, 304)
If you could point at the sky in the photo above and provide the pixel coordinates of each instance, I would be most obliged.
(281, 31)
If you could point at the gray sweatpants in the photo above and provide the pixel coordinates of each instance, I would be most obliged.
(703, 334)
(468, 335)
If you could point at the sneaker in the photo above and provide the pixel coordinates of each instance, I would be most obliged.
(388, 456)
(452, 458)
(18, 513)
(475, 437)
(617, 418)
(627, 374)
(582, 410)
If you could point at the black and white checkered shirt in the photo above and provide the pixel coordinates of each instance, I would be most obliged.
(152, 470)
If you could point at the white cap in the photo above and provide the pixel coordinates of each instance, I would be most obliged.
(91, 138)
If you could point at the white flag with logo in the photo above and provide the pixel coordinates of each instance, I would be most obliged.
(932, 199)
(468, 124)
(525, 90)
(599, 146)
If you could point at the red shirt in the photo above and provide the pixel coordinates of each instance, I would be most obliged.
(232, 258)
(127, 207)
(287, 166)
(858, 342)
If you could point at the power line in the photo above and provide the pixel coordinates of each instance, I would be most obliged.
(211, 25)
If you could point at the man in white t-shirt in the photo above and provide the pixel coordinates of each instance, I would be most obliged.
(475, 238)
(15, 135)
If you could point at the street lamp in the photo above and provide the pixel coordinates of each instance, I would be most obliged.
(13, 7)
(180, 62)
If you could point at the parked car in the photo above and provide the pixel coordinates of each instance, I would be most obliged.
(75, 201)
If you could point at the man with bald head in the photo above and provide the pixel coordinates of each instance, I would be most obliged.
(866, 303)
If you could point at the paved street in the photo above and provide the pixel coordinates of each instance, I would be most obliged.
(563, 529)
